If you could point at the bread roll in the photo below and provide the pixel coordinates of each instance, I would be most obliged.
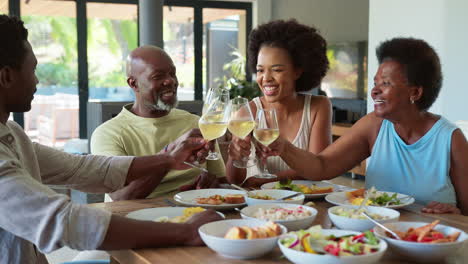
(235, 233)
(244, 232)
(234, 199)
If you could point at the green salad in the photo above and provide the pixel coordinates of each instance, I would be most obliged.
(382, 198)
(287, 185)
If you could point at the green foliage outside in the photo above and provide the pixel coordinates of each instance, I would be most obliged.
(55, 41)
(343, 75)
(236, 81)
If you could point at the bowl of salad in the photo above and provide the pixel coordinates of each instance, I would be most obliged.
(423, 242)
(351, 218)
(270, 196)
(330, 246)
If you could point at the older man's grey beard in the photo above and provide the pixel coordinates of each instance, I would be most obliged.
(160, 105)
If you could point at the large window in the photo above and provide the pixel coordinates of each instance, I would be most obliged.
(179, 44)
(205, 38)
(81, 47)
(3, 6)
(111, 36)
(53, 118)
(224, 44)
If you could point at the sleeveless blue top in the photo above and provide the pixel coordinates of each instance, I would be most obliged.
(420, 169)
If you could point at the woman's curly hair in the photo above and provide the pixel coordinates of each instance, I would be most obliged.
(303, 43)
(421, 65)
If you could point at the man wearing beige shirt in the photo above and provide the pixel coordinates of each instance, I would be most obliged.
(34, 219)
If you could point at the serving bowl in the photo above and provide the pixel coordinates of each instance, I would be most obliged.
(300, 257)
(275, 194)
(422, 252)
(213, 236)
(347, 223)
(292, 225)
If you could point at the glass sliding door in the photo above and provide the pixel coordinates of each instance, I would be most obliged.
(224, 45)
(178, 36)
(53, 118)
(207, 41)
(4, 7)
(112, 34)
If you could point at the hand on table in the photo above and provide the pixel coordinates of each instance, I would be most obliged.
(195, 222)
(440, 208)
(254, 182)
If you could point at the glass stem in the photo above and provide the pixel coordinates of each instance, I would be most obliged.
(265, 167)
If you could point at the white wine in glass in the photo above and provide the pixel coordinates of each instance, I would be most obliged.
(241, 128)
(266, 132)
(212, 129)
(241, 125)
(214, 121)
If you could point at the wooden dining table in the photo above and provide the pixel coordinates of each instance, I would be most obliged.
(206, 255)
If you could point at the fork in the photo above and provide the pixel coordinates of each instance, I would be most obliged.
(395, 235)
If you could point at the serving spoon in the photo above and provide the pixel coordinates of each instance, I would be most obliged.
(395, 235)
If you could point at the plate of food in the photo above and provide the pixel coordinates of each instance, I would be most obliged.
(167, 214)
(311, 189)
(376, 198)
(212, 198)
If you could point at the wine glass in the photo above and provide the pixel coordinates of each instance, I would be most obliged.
(265, 132)
(240, 125)
(214, 121)
(212, 94)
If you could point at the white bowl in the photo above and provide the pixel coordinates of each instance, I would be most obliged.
(213, 236)
(299, 257)
(292, 225)
(276, 194)
(343, 222)
(422, 252)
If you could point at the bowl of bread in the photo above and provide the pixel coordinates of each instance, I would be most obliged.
(241, 238)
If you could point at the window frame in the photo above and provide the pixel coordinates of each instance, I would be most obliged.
(82, 46)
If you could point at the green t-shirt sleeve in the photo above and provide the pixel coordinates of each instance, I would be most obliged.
(106, 141)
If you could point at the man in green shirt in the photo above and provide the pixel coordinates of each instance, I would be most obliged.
(149, 124)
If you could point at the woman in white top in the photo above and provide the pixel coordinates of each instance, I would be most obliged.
(288, 58)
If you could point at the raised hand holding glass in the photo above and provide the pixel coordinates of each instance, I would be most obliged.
(240, 125)
(266, 131)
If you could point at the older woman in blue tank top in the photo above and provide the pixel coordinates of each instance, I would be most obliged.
(411, 150)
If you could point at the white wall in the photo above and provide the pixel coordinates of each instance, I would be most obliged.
(443, 24)
(337, 20)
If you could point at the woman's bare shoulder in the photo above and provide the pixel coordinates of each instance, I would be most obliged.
(319, 99)
(320, 103)
(253, 107)
(369, 125)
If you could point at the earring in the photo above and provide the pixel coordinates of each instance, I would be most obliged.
(412, 101)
